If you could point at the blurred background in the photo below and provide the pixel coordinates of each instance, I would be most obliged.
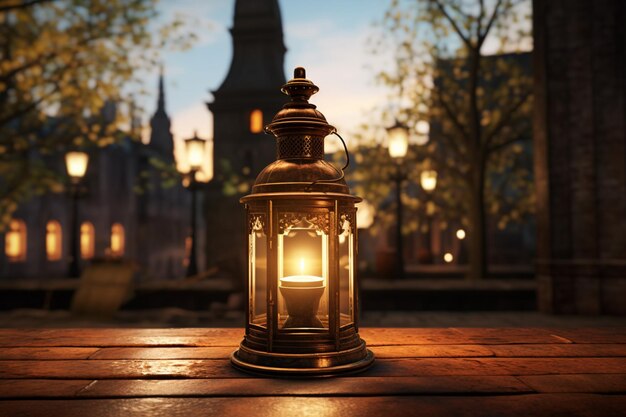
(487, 138)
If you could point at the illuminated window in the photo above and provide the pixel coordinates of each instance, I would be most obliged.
(54, 240)
(15, 241)
(87, 240)
(256, 121)
(117, 240)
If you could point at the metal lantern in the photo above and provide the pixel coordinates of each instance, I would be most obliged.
(302, 240)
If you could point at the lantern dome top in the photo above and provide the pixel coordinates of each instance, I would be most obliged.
(299, 116)
(300, 130)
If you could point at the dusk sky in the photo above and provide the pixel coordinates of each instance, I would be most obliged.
(328, 38)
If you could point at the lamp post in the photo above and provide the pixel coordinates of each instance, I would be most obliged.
(302, 311)
(76, 165)
(195, 148)
(428, 181)
(398, 146)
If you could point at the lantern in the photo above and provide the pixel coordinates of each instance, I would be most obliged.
(195, 148)
(76, 164)
(302, 245)
(398, 140)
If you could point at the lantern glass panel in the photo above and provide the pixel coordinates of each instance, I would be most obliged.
(346, 272)
(258, 272)
(303, 271)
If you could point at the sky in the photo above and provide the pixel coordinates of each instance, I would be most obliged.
(327, 37)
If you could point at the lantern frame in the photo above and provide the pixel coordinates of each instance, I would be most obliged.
(301, 188)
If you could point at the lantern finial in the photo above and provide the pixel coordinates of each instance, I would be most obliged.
(299, 72)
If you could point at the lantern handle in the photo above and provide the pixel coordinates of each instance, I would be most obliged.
(345, 148)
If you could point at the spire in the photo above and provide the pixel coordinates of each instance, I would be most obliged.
(258, 48)
(161, 100)
(160, 136)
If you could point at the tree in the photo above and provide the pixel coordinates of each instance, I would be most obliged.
(60, 61)
(478, 106)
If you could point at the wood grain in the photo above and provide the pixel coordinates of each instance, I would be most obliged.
(209, 368)
(581, 405)
(421, 372)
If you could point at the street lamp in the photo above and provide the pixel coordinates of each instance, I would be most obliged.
(398, 146)
(76, 164)
(195, 148)
(428, 181)
(302, 317)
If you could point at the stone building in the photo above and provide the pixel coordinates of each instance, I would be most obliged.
(244, 103)
(115, 220)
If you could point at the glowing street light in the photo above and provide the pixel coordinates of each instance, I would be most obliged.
(398, 146)
(76, 163)
(398, 140)
(460, 234)
(428, 180)
(195, 148)
(447, 257)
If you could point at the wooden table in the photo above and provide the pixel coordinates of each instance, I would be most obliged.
(418, 372)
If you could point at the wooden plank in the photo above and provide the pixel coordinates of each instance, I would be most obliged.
(116, 369)
(431, 351)
(577, 383)
(392, 336)
(46, 353)
(437, 351)
(593, 335)
(582, 405)
(249, 387)
(506, 336)
(120, 337)
(232, 337)
(560, 350)
(41, 388)
(164, 353)
(437, 336)
(496, 366)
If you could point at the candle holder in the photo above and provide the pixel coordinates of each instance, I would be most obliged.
(302, 312)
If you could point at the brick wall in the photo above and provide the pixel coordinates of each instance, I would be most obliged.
(580, 154)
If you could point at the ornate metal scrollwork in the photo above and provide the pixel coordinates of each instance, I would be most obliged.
(346, 222)
(319, 221)
(257, 221)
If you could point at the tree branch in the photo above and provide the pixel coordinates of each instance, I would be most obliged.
(522, 136)
(452, 116)
(482, 36)
(456, 27)
(22, 5)
(506, 118)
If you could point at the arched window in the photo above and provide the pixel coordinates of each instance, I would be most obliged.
(117, 240)
(87, 240)
(15, 241)
(54, 240)
(256, 121)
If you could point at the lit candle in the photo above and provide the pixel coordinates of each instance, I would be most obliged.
(302, 297)
(302, 280)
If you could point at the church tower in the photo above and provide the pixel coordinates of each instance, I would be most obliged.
(244, 103)
(161, 140)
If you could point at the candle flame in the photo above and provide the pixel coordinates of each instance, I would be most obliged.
(302, 266)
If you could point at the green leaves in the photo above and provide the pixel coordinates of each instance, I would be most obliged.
(60, 61)
(478, 106)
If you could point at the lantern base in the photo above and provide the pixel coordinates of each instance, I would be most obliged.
(302, 365)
